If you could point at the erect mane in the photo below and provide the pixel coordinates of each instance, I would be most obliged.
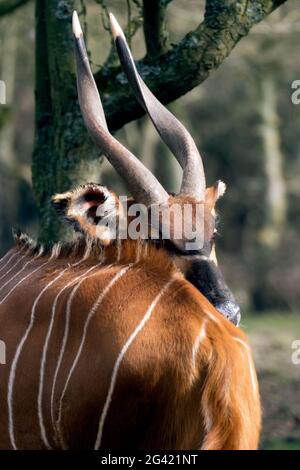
(60, 250)
(91, 250)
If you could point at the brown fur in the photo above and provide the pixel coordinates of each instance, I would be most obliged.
(160, 399)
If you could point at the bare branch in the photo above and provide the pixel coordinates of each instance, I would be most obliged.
(186, 64)
(133, 22)
(155, 32)
(104, 15)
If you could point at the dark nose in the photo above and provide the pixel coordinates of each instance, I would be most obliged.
(230, 310)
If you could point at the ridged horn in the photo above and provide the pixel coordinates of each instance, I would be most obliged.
(172, 132)
(144, 187)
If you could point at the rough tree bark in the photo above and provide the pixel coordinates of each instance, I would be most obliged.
(155, 30)
(8, 164)
(188, 63)
(62, 147)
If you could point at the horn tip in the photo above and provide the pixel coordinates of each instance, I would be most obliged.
(115, 27)
(76, 25)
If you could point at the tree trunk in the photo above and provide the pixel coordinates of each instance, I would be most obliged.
(8, 206)
(63, 155)
(276, 205)
(271, 231)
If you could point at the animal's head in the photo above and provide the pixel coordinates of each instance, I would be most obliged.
(92, 206)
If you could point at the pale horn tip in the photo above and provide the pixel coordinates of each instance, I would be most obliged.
(76, 25)
(115, 27)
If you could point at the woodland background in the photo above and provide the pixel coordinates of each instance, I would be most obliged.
(247, 129)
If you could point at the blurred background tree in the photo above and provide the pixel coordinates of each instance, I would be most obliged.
(242, 119)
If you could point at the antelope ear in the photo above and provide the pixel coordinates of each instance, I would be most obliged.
(61, 202)
(213, 193)
(86, 207)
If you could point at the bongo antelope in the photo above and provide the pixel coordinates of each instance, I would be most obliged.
(112, 344)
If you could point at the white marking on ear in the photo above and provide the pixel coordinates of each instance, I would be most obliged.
(107, 211)
(120, 358)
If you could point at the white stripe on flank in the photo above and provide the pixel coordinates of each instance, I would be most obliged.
(64, 342)
(119, 360)
(250, 362)
(146, 249)
(23, 267)
(212, 317)
(22, 280)
(10, 259)
(12, 373)
(197, 343)
(85, 328)
(12, 267)
(45, 350)
(17, 273)
(138, 252)
(44, 354)
(119, 246)
(4, 257)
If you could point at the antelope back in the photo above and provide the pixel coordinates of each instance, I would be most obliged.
(113, 348)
